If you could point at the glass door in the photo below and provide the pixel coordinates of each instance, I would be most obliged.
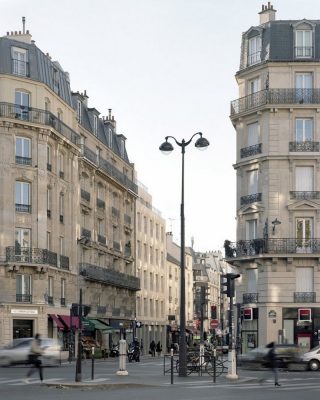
(304, 232)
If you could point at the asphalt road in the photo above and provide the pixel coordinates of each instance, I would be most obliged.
(146, 381)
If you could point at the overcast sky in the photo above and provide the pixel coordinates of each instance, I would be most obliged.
(165, 67)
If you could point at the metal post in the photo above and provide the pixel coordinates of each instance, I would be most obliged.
(79, 355)
(214, 364)
(171, 354)
(232, 368)
(92, 363)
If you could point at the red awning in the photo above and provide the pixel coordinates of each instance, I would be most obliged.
(66, 319)
(59, 324)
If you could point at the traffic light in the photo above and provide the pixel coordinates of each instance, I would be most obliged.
(229, 284)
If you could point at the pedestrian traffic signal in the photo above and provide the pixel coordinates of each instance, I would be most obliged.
(228, 282)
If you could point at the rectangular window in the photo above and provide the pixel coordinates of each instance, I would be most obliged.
(253, 182)
(49, 156)
(61, 165)
(61, 207)
(22, 100)
(304, 44)
(251, 229)
(49, 202)
(23, 203)
(304, 179)
(63, 289)
(23, 151)
(304, 129)
(254, 50)
(48, 240)
(95, 125)
(304, 279)
(23, 288)
(79, 111)
(253, 134)
(252, 275)
(304, 234)
(19, 61)
(110, 133)
(50, 286)
(304, 86)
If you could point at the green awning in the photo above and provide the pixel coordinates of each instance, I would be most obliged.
(101, 325)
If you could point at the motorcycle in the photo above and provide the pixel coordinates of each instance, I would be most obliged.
(114, 351)
(133, 353)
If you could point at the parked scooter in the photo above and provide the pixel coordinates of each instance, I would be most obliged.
(114, 351)
(133, 352)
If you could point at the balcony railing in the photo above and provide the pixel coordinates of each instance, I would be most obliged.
(23, 208)
(50, 300)
(37, 116)
(307, 146)
(86, 233)
(109, 276)
(102, 239)
(304, 297)
(296, 195)
(62, 301)
(33, 255)
(304, 51)
(24, 298)
(248, 298)
(116, 246)
(255, 247)
(250, 198)
(20, 67)
(251, 150)
(275, 97)
(23, 160)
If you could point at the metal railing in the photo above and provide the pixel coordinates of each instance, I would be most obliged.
(303, 51)
(38, 116)
(254, 247)
(251, 150)
(33, 255)
(23, 160)
(248, 298)
(102, 239)
(109, 276)
(85, 195)
(23, 208)
(24, 298)
(250, 198)
(304, 297)
(307, 146)
(299, 195)
(86, 233)
(275, 97)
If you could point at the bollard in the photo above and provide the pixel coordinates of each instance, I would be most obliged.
(171, 352)
(92, 363)
(214, 365)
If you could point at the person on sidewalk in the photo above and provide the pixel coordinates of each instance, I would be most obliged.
(159, 348)
(273, 363)
(35, 352)
(152, 349)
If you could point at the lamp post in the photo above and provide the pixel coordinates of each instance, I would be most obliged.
(167, 148)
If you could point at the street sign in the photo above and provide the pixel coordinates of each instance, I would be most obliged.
(214, 324)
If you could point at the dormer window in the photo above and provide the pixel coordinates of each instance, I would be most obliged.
(95, 125)
(254, 50)
(20, 61)
(79, 111)
(304, 48)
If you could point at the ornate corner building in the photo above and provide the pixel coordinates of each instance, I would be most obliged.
(67, 200)
(276, 119)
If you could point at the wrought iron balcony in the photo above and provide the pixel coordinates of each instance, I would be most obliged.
(250, 198)
(251, 150)
(109, 276)
(304, 297)
(23, 208)
(86, 233)
(248, 298)
(116, 246)
(23, 160)
(37, 116)
(102, 239)
(303, 51)
(267, 247)
(62, 301)
(50, 300)
(296, 195)
(275, 97)
(64, 262)
(24, 298)
(306, 146)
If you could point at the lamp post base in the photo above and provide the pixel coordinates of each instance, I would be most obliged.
(232, 366)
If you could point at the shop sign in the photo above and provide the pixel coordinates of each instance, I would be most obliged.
(247, 314)
(272, 314)
(24, 312)
(304, 314)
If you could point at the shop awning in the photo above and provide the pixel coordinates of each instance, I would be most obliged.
(66, 320)
(101, 325)
(59, 324)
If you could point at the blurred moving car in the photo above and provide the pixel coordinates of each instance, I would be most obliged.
(17, 352)
(289, 356)
(312, 357)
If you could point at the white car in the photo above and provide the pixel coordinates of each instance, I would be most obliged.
(17, 352)
(312, 357)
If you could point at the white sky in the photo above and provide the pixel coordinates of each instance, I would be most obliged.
(165, 67)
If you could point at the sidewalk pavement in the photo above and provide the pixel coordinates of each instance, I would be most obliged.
(134, 377)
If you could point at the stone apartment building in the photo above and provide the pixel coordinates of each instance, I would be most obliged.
(151, 270)
(277, 123)
(67, 201)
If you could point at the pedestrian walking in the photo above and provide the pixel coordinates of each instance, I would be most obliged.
(273, 363)
(159, 348)
(35, 352)
(152, 349)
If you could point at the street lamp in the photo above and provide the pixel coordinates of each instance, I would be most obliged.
(167, 148)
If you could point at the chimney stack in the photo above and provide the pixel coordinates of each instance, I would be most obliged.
(267, 14)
